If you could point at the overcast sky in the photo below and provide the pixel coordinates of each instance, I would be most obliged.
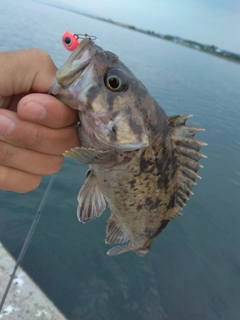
(207, 21)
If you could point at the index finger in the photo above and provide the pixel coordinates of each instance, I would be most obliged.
(29, 135)
(26, 70)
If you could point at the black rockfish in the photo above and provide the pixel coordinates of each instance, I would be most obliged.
(142, 162)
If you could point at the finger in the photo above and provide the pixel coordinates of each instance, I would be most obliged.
(29, 161)
(33, 136)
(46, 110)
(18, 181)
(26, 70)
(11, 102)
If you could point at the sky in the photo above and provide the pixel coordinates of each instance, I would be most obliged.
(213, 22)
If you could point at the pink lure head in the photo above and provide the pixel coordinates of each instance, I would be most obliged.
(70, 40)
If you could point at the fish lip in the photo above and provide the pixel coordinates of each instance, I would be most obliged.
(81, 59)
(84, 66)
(76, 63)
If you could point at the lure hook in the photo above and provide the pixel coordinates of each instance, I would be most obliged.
(85, 35)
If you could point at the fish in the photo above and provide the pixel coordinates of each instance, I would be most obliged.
(142, 163)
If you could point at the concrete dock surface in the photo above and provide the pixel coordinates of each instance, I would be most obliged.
(25, 300)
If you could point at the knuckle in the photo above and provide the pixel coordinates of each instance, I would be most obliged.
(34, 139)
(43, 56)
(45, 62)
(43, 71)
(4, 174)
(5, 152)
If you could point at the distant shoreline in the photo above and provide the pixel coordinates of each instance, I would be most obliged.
(211, 49)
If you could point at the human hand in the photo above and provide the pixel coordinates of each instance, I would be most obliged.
(35, 128)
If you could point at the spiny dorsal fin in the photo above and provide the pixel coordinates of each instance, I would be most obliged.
(115, 233)
(91, 202)
(174, 121)
(187, 156)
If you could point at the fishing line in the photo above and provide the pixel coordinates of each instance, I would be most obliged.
(27, 240)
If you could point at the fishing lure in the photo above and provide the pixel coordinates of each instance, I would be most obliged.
(70, 41)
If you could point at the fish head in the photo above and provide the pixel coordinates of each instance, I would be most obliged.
(106, 94)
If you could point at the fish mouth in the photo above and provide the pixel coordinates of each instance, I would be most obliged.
(76, 63)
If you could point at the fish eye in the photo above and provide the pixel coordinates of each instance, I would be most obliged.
(115, 80)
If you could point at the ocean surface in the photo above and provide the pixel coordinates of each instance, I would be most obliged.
(193, 268)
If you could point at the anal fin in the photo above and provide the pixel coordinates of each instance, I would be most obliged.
(121, 249)
(118, 250)
(91, 202)
(115, 232)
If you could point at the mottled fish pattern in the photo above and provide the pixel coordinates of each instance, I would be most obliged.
(141, 162)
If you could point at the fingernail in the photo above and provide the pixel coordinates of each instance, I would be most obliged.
(35, 111)
(6, 125)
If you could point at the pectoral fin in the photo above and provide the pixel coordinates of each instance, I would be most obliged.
(91, 156)
(91, 202)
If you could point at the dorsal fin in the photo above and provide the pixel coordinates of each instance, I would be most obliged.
(187, 156)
